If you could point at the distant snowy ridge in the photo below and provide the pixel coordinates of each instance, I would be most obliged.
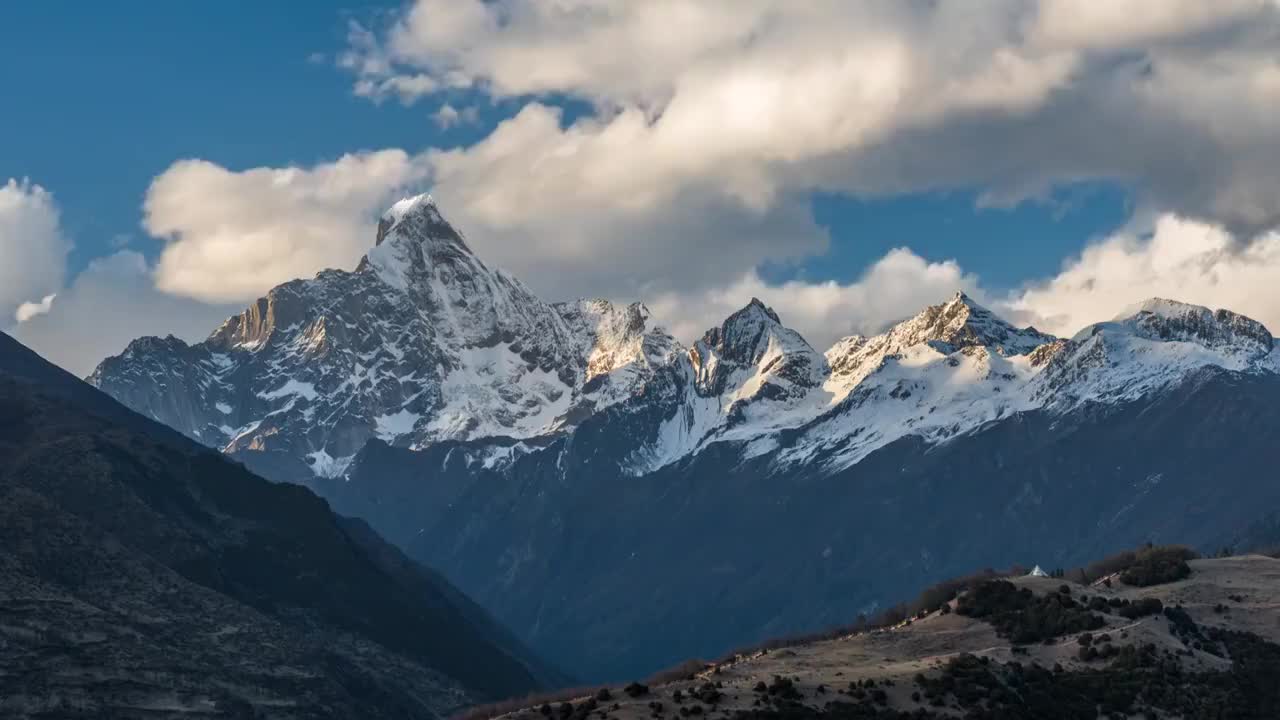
(424, 343)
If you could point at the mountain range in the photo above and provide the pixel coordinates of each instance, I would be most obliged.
(596, 483)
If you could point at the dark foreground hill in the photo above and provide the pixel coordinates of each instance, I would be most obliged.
(1202, 646)
(142, 575)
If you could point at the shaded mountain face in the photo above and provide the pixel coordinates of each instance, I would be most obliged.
(144, 575)
(721, 550)
(596, 483)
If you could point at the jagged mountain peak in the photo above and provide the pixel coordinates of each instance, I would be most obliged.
(754, 341)
(415, 240)
(962, 322)
(611, 335)
(418, 218)
(1162, 319)
(421, 203)
(741, 334)
(1151, 344)
(756, 305)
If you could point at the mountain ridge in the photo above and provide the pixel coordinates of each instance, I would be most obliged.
(423, 342)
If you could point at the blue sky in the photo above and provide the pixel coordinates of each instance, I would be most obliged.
(107, 102)
(849, 162)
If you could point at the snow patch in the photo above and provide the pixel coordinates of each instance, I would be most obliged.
(390, 427)
(327, 466)
(291, 387)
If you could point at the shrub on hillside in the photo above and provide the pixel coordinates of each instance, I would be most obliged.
(1022, 616)
(1129, 559)
(1142, 608)
(1158, 565)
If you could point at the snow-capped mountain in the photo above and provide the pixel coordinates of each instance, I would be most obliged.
(535, 450)
(1152, 345)
(423, 343)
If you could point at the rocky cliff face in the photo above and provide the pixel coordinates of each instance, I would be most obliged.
(534, 450)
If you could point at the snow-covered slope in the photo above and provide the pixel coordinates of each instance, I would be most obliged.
(1149, 346)
(424, 343)
(950, 370)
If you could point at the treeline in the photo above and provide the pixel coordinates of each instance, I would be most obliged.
(1148, 565)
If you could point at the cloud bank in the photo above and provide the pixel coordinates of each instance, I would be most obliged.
(1179, 259)
(234, 235)
(709, 125)
(759, 97)
(713, 121)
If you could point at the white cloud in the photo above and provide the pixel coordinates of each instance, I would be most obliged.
(709, 125)
(1116, 25)
(231, 235)
(33, 249)
(1176, 258)
(110, 303)
(761, 98)
(714, 120)
(28, 310)
(522, 198)
(448, 116)
(1180, 259)
(895, 287)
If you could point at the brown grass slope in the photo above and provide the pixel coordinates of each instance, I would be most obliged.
(1138, 640)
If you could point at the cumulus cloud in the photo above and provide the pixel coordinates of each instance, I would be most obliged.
(1176, 258)
(711, 122)
(708, 125)
(110, 303)
(520, 196)
(1179, 259)
(33, 250)
(230, 235)
(28, 310)
(764, 97)
(895, 287)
